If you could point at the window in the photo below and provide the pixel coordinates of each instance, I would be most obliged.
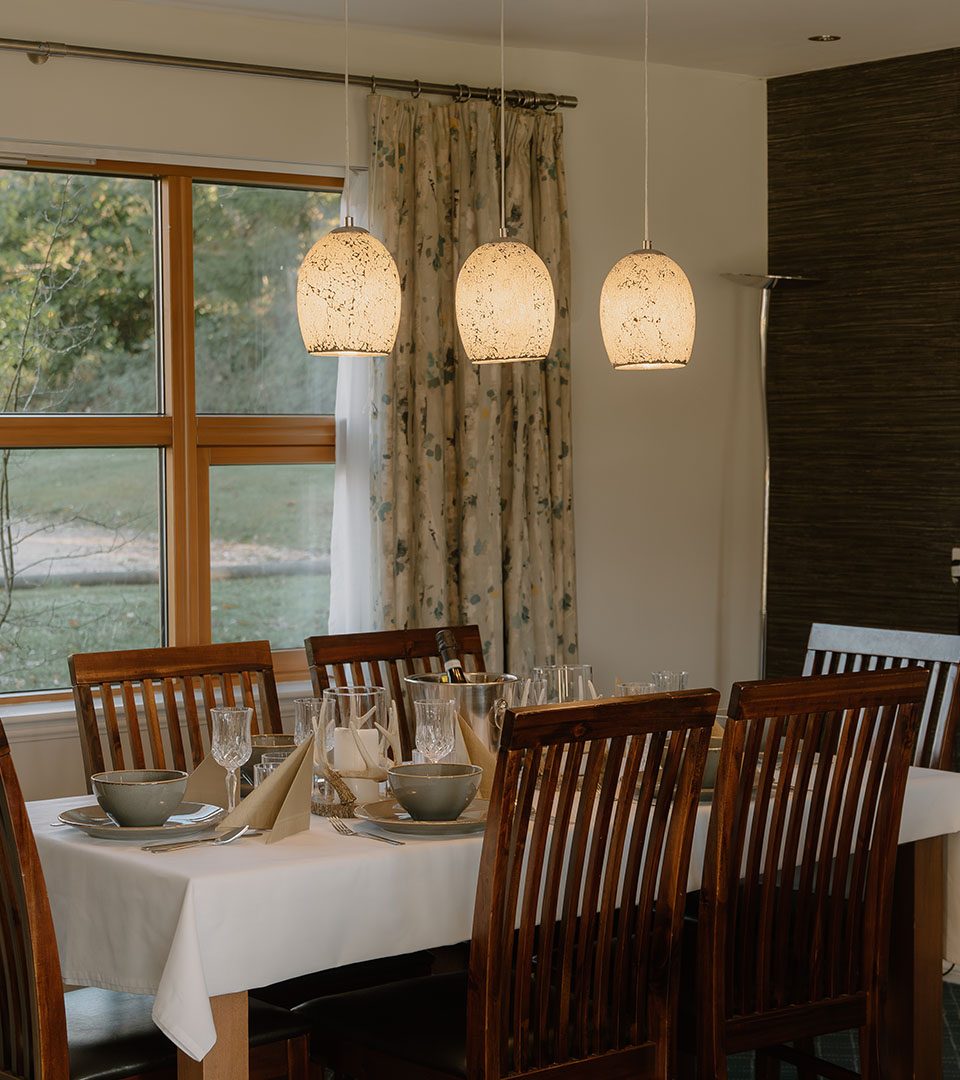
(166, 444)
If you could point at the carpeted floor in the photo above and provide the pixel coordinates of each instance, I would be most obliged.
(842, 1048)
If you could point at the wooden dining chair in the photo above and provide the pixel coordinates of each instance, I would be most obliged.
(833, 649)
(87, 1034)
(151, 701)
(576, 933)
(794, 922)
(384, 658)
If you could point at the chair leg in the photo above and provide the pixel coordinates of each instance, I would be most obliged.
(869, 1052)
(765, 1066)
(806, 1072)
(298, 1058)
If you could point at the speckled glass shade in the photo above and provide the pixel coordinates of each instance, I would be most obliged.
(647, 314)
(348, 295)
(505, 304)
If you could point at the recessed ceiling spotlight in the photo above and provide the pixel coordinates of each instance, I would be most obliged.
(824, 37)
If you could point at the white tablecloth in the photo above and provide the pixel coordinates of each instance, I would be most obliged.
(187, 926)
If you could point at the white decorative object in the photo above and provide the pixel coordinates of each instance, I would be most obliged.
(360, 760)
(348, 295)
(348, 287)
(504, 299)
(350, 760)
(505, 303)
(647, 314)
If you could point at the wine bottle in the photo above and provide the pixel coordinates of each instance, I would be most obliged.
(447, 647)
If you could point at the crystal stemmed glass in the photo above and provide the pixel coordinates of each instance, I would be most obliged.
(231, 746)
(435, 728)
(306, 718)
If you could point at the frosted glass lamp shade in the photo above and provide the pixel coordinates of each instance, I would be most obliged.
(647, 314)
(348, 295)
(505, 304)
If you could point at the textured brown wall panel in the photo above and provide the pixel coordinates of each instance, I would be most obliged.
(864, 366)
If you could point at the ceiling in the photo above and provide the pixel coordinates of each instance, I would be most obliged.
(755, 37)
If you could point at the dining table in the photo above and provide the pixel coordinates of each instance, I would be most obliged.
(201, 927)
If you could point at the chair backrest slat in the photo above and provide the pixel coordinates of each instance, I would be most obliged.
(339, 659)
(131, 719)
(162, 692)
(33, 1029)
(832, 649)
(797, 882)
(580, 898)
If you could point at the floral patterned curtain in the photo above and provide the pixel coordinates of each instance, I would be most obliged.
(471, 467)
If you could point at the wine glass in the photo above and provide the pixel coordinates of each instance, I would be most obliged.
(667, 681)
(306, 718)
(231, 746)
(435, 728)
(562, 682)
(633, 689)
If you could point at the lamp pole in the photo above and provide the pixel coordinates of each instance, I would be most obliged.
(766, 283)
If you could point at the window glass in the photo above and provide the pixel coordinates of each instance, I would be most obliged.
(80, 552)
(77, 293)
(248, 245)
(270, 552)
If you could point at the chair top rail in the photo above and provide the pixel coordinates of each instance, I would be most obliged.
(414, 644)
(137, 665)
(875, 641)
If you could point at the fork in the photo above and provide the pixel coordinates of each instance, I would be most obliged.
(344, 830)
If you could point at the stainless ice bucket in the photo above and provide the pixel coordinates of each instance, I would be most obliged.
(480, 700)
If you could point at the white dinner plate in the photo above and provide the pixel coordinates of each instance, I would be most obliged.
(389, 815)
(190, 818)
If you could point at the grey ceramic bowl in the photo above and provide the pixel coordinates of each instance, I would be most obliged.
(435, 792)
(140, 796)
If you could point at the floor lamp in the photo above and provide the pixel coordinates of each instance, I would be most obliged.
(766, 283)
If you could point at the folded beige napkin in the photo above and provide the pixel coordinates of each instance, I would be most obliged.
(282, 802)
(479, 755)
(207, 783)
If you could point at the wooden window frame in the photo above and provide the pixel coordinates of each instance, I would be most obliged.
(191, 443)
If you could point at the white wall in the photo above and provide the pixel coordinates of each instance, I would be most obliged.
(667, 466)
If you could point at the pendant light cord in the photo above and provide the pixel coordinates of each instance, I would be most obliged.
(503, 128)
(346, 111)
(646, 125)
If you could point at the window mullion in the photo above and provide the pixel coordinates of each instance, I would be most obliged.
(187, 525)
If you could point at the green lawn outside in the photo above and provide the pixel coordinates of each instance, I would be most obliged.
(277, 507)
(251, 503)
(55, 621)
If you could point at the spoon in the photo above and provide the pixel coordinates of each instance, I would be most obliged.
(226, 838)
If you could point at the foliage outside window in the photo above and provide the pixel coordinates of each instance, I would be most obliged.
(148, 341)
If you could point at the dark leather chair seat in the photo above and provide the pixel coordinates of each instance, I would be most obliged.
(112, 1035)
(423, 1021)
(344, 980)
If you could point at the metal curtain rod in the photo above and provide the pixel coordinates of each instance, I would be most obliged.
(39, 52)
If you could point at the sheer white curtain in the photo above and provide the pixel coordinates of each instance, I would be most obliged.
(351, 598)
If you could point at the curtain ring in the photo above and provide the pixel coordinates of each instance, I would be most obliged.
(373, 84)
(419, 89)
(554, 103)
(464, 93)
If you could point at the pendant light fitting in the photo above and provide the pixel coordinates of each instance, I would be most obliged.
(647, 310)
(348, 287)
(505, 304)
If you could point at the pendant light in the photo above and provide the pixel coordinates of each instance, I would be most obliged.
(504, 299)
(348, 288)
(647, 313)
